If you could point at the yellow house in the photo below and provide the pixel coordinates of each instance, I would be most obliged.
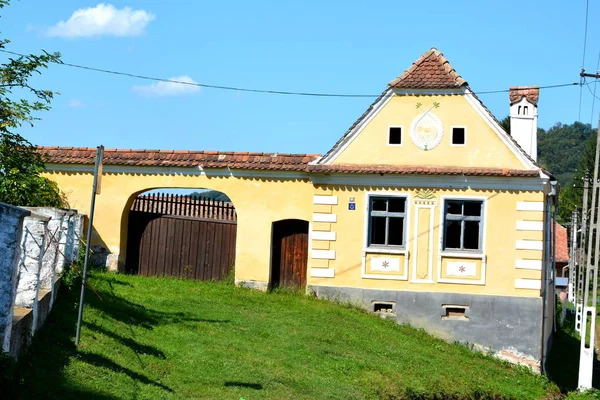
(425, 210)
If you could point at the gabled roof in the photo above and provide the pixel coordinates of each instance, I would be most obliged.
(430, 71)
(179, 158)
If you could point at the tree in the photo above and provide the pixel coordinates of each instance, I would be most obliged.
(571, 195)
(561, 148)
(211, 194)
(21, 164)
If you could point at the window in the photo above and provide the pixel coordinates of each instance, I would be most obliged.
(463, 225)
(387, 216)
(395, 135)
(458, 136)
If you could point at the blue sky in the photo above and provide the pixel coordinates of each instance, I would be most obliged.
(316, 46)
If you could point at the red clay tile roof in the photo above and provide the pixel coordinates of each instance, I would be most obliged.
(430, 71)
(253, 161)
(531, 93)
(419, 170)
(180, 158)
(562, 243)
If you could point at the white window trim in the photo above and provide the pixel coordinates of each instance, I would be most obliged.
(392, 251)
(401, 136)
(452, 136)
(481, 254)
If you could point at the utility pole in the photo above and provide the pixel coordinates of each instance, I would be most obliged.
(588, 321)
(573, 260)
(582, 255)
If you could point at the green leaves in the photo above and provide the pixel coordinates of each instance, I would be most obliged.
(20, 162)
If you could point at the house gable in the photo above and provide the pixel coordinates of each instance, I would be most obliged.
(428, 117)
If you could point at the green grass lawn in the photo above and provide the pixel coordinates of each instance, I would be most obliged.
(154, 338)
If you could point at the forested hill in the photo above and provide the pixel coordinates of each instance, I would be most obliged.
(560, 149)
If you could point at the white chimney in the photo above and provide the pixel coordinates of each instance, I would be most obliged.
(523, 117)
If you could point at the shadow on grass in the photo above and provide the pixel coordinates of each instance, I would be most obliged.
(131, 313)
(101, 361)
(41, 370)
(125, 341)
(562, 365)
(255, 386)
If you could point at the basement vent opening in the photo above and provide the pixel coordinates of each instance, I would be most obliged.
(383, 307)
(455, 312)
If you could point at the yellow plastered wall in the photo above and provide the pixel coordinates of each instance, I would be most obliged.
(503, 268)
(258, 202)
(483, 147)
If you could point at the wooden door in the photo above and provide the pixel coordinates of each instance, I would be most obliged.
(289, 253)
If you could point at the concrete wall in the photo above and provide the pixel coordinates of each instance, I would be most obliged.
(38, 244)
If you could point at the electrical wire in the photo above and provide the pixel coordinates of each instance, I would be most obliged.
(587, 7)
(265, 91)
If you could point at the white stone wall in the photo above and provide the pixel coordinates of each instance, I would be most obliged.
(36, 244)
(32, 248)
(11, 220)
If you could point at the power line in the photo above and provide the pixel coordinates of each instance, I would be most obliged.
(587, 7)
(265, 91)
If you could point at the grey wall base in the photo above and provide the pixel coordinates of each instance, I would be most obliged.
(511, 327)
(256, 285)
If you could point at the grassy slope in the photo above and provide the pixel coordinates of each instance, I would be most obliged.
(161, 338)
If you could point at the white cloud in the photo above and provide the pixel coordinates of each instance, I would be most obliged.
(75, 103)
(168, 88)
(104, 19)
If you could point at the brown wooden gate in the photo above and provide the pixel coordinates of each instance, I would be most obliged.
(187, 246)
(289, 253)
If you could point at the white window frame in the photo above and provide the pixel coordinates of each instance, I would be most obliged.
(383, 247)
(452, 136)
(401, 136)
(389, 250)
(479, 254)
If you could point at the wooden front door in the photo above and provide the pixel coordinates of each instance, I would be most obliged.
(289, 253)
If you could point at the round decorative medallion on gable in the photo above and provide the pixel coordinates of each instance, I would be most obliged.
(426, 131)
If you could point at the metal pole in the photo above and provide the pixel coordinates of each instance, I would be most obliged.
(99, 154)
(586, 354)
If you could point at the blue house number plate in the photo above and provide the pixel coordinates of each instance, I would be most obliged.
(352, 206)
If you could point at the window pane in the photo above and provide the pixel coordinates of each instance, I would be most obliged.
(379, 205)
(396, 204)
(452, 235)
(473, 208)
(454, 207)
(395, 136)
(471, 240)
(458, 135)
(377, 230)
(396, 231)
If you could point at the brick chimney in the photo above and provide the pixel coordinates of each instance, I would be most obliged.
(523, 117)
